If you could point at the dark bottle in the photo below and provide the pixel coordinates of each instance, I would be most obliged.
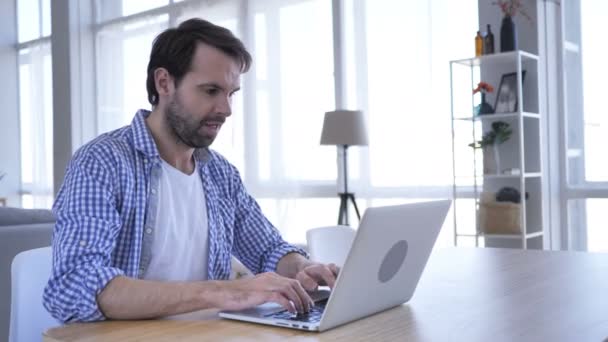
(488, 42)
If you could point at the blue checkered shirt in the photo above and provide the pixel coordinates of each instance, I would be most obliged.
(105, 212)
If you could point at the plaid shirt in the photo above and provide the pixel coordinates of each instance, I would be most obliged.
(105, 212)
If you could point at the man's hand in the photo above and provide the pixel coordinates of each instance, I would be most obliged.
(313, 274)
(265, 287)
(310, 274)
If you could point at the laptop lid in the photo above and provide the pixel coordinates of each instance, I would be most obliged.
(382, 269)
(385, 261)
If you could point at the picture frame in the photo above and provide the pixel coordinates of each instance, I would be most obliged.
(506, 95)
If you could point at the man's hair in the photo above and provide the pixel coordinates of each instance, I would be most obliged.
(174, 48)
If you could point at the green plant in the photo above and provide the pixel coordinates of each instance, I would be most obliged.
(500, 132)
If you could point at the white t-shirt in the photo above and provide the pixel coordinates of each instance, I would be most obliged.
(180, 242)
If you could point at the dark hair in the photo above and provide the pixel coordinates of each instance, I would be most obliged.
(173, 50)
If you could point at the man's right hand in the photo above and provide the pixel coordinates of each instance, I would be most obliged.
(265, 287)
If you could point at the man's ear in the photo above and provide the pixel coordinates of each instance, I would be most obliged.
(163, 82)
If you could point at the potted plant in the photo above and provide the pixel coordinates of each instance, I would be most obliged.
(500, 132)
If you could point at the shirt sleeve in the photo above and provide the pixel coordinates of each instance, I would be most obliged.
(83, 239)
(257, 243)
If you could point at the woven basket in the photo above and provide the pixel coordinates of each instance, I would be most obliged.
(499, 217)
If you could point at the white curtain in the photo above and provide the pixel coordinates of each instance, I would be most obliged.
(122, 52)
(36, 115)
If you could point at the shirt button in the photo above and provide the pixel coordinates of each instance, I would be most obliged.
(153, 191)
(149, 230)
(83, 243)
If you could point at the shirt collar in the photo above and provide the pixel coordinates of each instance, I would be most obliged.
(144, 142)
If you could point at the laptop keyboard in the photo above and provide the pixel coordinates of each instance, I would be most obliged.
(313, 316)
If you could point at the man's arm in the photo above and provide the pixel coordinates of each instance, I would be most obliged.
(83, 238)
(128, 298)
(257, 243)
(261, 248)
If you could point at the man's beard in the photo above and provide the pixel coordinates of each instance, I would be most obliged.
(185, 128)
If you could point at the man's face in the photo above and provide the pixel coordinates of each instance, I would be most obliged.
(202, 101)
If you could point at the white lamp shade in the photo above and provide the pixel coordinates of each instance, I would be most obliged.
(344, 127)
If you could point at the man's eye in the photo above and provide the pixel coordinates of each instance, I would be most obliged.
(213, 91)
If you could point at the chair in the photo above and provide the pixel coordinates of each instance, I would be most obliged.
(30, 272)
(330, 244)
(20, 230)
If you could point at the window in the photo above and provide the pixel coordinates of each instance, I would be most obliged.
(408, 48)
(121, 75)
(35, 103)
(586, 171)
(594, 70)
(396, 60)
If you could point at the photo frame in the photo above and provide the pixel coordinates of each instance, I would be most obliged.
(506, 95)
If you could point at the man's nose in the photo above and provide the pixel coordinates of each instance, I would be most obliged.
(224, 106)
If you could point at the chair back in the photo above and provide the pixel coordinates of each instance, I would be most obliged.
(330, 244)
(30, 271)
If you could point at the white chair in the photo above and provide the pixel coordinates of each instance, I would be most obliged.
(330, 244)
(30, 272)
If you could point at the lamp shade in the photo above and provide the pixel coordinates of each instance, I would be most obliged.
(344, 127)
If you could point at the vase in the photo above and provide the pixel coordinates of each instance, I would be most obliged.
(491, 160)
(485, 107)
(508, 35)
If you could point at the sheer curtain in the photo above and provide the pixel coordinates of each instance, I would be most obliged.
(397, 57)
(122, 51)
(35, 103)
(397, 71)
(36, 115)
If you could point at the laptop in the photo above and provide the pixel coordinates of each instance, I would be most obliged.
(386, 258)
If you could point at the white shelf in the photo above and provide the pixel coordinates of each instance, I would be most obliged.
(498, 116)
(503, 236)
(502, 57)
(522, 152)
(511, 236)
(501, 176)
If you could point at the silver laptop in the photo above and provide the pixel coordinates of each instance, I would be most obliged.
(387, 257)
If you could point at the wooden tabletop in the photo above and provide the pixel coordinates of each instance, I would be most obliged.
(464, 295)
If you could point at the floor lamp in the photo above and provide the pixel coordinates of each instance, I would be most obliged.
(344, 128)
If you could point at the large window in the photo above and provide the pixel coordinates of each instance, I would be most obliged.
(35, 102)
(586, 172)
(396, 57)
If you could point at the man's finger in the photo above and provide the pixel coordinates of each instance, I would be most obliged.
(321, 272)
(303, 295)
(278, 298)
(307, 282)
(289, 291)
(334, 269)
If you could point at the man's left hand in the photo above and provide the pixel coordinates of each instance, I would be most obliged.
(314, 274)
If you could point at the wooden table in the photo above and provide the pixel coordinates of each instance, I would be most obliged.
(464, 295)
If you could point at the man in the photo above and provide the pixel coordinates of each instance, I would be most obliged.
(148, 217)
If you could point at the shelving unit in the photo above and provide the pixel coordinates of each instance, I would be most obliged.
(521, 152)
